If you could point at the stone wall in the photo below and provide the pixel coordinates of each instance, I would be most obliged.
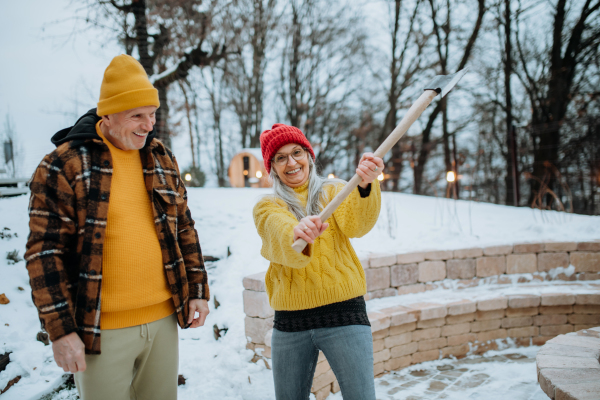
(568, 366)
(418, 332)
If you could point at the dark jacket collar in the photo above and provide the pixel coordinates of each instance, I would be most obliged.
(85, 129)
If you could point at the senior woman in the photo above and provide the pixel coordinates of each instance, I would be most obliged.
(317, 295)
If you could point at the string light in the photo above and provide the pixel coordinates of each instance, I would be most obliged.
(380, 177)
(258, 174)
(330, 176)
(245, 172)
(450, 176)
(188, 177)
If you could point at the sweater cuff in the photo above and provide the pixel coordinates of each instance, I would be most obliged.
(364, 192)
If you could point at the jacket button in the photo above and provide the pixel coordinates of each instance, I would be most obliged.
(88, 309)
(92, 272)
(98, 235)
(104, 196)
(106, 163)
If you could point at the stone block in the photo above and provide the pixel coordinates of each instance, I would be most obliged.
(378, 369)
(381, 334)
(431, 344)
(555, 330)
(381, 356)
(584, 319)
(256, 304)
(364, 261)
(377, 278)
(378, 345)
(540, 340)
(422, 356)
(410, 289)
(400, 315)
(268, 337)
(522, 312)
(378, 321)
(458, 329)
(492, 335)
(397, 340)
(322, 367)
(468, 253)
(521, 263)
(430, 271)
(398, 363)
(455, 351)
(588, 299)
(410, 258)
(577, 390)
(490, 266)
(560, 246)
(571, 351)
(436, 255)
(523, 301)
(379, 294)
(255, 282)
(404, 274)
(548, 261)
(556, 310)
(528, 248)
(496, 303)
(550, 319)
(425, 334)
(378, 260)
(323, 380)
(493, 314)
(460, 319)
(461, 269)
(588, 246)
(429, 310)
(323, 393)
(582, 327)
(396, 330)
(487, 325)
(578, 341)
(403, 350)
(525, 331)
(431, 323)
(462, 339)
(588, 276)
(550, 378)
(553, 361)
(517, 322)
(558, 299)
(586, 309)
(257, 328)
(497, 250)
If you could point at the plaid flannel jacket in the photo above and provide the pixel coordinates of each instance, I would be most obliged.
(70, 191)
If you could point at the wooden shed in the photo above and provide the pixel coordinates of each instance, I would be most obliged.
(246, 169)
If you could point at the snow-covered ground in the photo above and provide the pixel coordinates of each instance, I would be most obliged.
(222, 369)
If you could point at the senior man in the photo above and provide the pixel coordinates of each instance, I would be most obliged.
(112, 251)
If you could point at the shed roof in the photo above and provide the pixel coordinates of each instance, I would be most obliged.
(256, 152)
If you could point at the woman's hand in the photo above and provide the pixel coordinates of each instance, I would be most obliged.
(309, 228)
(369, 168)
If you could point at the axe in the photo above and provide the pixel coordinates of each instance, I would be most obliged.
(441, 84)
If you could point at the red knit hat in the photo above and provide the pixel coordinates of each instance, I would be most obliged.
(277, 137)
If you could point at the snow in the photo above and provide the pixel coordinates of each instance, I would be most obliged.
(222, 369)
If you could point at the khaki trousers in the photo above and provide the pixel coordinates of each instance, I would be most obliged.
(136, 363)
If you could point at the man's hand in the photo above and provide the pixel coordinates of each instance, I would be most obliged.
(69, 353)
(202, 307)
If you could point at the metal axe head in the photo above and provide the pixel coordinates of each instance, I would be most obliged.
(444, 83)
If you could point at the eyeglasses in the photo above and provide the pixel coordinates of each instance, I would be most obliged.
(281, 159)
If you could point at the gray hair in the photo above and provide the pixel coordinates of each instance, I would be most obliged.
(317, 197)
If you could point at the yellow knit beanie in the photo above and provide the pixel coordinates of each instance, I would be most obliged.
(125, 86)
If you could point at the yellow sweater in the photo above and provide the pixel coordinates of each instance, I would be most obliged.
(134, 284)
(329, 271)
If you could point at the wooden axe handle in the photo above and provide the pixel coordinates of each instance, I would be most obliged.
(411, 116)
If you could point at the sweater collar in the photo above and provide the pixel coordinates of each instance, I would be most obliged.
(301, 189)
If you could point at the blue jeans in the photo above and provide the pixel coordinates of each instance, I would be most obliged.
(348, 349)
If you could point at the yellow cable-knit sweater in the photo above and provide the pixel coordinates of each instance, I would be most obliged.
(329, 272)
(134, 284)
